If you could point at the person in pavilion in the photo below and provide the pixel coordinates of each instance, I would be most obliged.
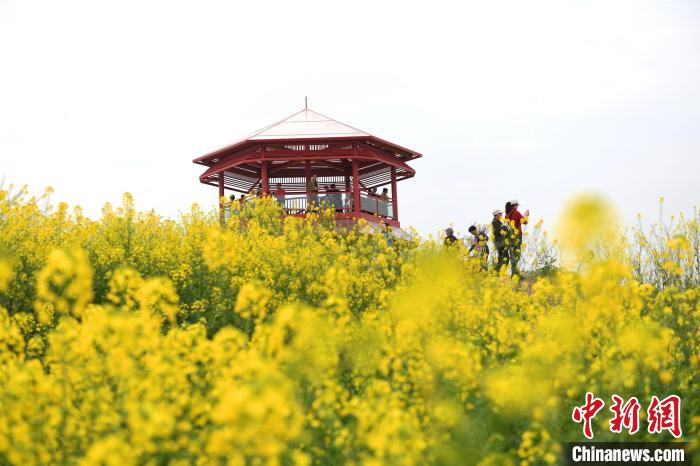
(334, 198)
(280, 194)
(383, 206)
(312, 189)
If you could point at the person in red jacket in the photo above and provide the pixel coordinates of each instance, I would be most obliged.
(516, 220)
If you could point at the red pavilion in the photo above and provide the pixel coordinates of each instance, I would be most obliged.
(354, 170)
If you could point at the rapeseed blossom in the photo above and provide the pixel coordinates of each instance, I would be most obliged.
(273, 340)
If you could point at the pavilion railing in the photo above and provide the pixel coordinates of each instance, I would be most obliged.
(299, 203)
(376, 205)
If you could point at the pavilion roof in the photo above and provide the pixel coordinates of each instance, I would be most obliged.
(308, 125)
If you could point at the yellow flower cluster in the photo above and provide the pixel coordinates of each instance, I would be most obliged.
(278, 341)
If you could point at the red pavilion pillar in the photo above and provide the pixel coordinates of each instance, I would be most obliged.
(394, 196)
(347, 183)
(356, 185)
(307, 175)
(221, 197)
(265, 181)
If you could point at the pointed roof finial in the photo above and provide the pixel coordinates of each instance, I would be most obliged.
(306, 102)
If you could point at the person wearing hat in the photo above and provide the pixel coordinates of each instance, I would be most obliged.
(450, 238)
(501, 232)
(515, 217)
(516, 220)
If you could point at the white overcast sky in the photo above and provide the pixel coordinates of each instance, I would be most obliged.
(529, 99)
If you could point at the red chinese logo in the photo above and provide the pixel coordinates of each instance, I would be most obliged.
(626, 415)
(661, 414)
(665, 415)
(587, 412)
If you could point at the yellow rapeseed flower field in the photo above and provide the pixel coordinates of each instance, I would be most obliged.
(278, 341)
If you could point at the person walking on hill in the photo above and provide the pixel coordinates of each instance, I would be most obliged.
(516, 221)
(515, 217)
(480, 245)
(450, 238)
(501, 233)
(388, 234)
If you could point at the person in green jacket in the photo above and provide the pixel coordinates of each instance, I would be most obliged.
(501, 238)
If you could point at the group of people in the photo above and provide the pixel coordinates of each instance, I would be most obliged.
(244, 197)
(332, 194)
(507, 237)
(312, 191)
(384, 196)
